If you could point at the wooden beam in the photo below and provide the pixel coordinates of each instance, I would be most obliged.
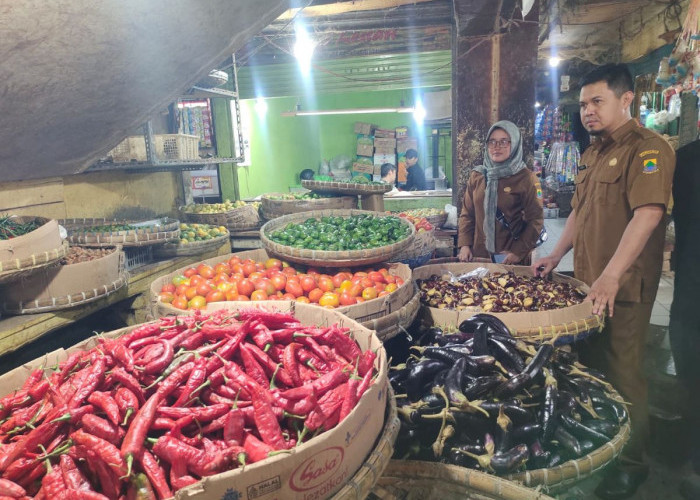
(333, 9)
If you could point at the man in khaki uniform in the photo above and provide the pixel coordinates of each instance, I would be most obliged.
(616, 230)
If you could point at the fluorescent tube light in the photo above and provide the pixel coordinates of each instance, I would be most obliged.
(351, 111)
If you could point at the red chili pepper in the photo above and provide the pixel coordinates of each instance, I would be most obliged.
(176, 431)
(101, 428)
(308, 358)
(107, 404)
(105, 450)
(267, 424)
(106, 477)
(162, 424)
(225, 352)
(74, 416)
(21, 467)
(175, 379)
(34, 473)
(181, 337)
(328, 381)
(94, 377)
(161, 362)
(13, 401)
(34, 377)
(366, 362)
(269, 365)
(273, 320)
(314, 347)
(307, 374)
(11, 489)
(192, 341)
(256, 449)
(262, 337)
(172, 450)
(350, 398)
(298, 407)
(238, 377)
(127, 402)
(234, 431)
(39, 390)
(139, 344)
(21, 416)
(364, 385)
(29, 442)
(232, 390)
(127, 380)
(52, 483)
(201, 413)
(72, 494)
(252, 367)
(179, 477)
(148, 353)
(342, 343)
(156, 475)
(325, 412)
(72, 475)
(147, 330)
(290, 363)
(195, 380)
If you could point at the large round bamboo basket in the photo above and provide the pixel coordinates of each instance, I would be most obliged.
(156, 232)
(417, 480)
(390, 325)
(23, 255)
(564, 325)
(237, 219)
(343, 258)
(273, 208)
(345, 187)
(177, 249)
(565, 475)
(360, 485)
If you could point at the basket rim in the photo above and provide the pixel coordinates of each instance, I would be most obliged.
(172, 249)
(328, 257)
(133, 240)
(345, 187)
(9, 268)
(410, 309)
(73, 225)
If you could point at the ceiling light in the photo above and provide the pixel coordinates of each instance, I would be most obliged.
(537, 104)
(260, 106)
(349, 111)
(419, 112)
(554, 61)
(303, 49)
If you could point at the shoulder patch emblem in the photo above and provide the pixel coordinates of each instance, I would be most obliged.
(539, 193)
(506, 189)
(612, 162)
(648, 152)
(650, 166)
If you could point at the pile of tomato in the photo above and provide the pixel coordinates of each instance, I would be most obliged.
(245, 279)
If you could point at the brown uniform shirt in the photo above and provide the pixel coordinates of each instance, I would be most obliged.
(520, 200)
(631, 168)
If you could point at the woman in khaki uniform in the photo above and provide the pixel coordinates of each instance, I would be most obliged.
(501, 215)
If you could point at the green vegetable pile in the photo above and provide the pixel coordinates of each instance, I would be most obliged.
(356, 232)
(326, 178)
(298, 196)
(108, 228)
(11, 227)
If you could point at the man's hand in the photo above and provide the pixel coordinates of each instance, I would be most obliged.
(544, 266)
(602, 293)
(465, 254)
(510, 259)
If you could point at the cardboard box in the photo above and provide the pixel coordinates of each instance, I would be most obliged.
(364, 150)
(384, 132)
(82, 279)
(385, 151)
(401, 132)
(406, 143)
(364, 128)
(315, 469)
(384, 143)
(382, 158)
(521, 321)
(43, 239)
(363, 168)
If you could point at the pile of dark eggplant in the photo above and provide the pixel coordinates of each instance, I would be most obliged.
(484, 399)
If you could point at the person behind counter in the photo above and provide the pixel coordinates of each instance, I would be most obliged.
(388, 174)
(501, 214)
(415, 178)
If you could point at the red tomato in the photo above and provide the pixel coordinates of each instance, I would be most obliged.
(308, 283)
(197, 302)
(248, 268)
(347, 300)
(231, 295)
(222, 268)
(242, 298)
(377, 277)
(190, 292)
(288, 296)
(312, 271)
(203, 289)
(166, 297)
(189, 272)
(266, 285)
(279, 280)
(294, 287)
(379, 286)
(245, 287)
(338, 279)
(389, 278)
(315, 295)
(255, 276)
(289, 271)
(181, 289)
(303, 299)
(227, 286)
(399, 281)
(205, 270)
(196, 280)
(369, 293)
(325, 283)
(215, 296)
(382, 293)
(391, 287)
(179, 303)
(367, 283)
(168, 287)
(258, 295)
(273, 263)
(355, 290)
(234, 261)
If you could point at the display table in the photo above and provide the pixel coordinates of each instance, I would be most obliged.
(16, 331)
(417, 199)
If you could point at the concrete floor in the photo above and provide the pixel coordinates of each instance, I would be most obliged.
(665, 397)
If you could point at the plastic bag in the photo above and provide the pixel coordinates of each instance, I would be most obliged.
(451, 221)
(479, 272)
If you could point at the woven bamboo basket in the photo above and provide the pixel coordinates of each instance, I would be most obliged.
(23, 255)
(146, 233)
(417, 480)
(345, 187)
(437, 220)
(238, 219)
(565, 325)
(170, 250)
(271, 208)
(423, 244)
(66, 286)
(346, 258)
(565, 475)
(390, 325)
(360, 485)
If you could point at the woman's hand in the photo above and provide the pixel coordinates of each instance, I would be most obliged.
(511, 259)
(465, 254)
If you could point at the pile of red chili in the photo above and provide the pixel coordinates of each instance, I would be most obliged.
(156, 409)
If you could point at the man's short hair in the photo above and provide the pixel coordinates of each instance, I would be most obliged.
(617, 76)
(411, 153)
(387, 168)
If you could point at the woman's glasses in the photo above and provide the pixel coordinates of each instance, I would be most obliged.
(493, 143)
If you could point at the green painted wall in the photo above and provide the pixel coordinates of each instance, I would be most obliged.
(283, 146)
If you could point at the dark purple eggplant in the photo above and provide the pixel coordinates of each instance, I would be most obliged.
(512, 386)
(502, 436)
(473, 424)
(555, 459)
(480, 343)
(433, 400)
(549, 407)
(580, 431)
(538, 455)
(511, 460)
(617, 408)
(456, 456)
(568, 442)
(518, 414)
(430, 336)
(506, 354)
(398, 376)
(442, 354)
(526, 433)
(453, 383)
(454, 338)
(587, 446)
(482, 385)
(437, 380)
(534, 367)
(566, 402)
(419, 374)
(494, 323)
(605, 427)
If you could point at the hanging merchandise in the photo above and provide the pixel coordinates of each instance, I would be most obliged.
(562, 165)
(195, 119)
(552, 124)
